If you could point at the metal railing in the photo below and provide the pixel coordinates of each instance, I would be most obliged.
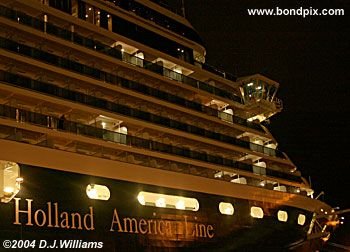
(122, 109)
(47, 121)
(53, 30)
(114, 52)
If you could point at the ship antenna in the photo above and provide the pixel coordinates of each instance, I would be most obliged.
(183, 8)
(320, 194)
(310, 183)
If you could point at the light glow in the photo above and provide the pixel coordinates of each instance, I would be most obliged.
(10, 180)
(19, 180)
(9, 189)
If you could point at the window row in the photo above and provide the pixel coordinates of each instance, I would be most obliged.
(101, 192)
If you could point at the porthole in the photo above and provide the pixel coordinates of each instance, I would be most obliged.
(226, 208)
(301, 219)
(257, 212)
(282, 216)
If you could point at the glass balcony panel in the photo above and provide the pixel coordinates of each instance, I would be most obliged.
(115, 53)
(103, 104)
(76, 128)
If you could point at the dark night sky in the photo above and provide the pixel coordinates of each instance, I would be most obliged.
(309, 57)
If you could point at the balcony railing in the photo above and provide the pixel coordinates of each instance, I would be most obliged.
(89, 100)
(22, 116)
(139, 62)
(135, 86)
(114, 52)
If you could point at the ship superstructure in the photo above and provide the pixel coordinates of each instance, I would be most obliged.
(120, 90)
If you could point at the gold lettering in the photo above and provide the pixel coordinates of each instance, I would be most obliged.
(28, 212)
(168, 228)
(56, 215)
(160, 230)
(155, 226)
(209, 229)
(65, 220)
(131, 222)
(142, 223)
(186, 226)
(49, 214)
(178, 226)
(195, 231)
(73, 215)
(202, 230)
(116, 220)
(91, 217)
(149, 226)
(36, 217)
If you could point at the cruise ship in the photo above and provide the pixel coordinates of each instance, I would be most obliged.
(116, 135)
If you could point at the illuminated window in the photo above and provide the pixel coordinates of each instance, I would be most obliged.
(257, 212)
(98, 192)
(226, 208)
(282, 215)
(167, 201)
(301, 219)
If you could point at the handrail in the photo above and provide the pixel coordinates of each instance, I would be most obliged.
(115, 53)
(88, 43)
(22, 115)
(156, 92)
(77, 67)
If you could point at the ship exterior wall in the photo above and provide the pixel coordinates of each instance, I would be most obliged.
(53, 205)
